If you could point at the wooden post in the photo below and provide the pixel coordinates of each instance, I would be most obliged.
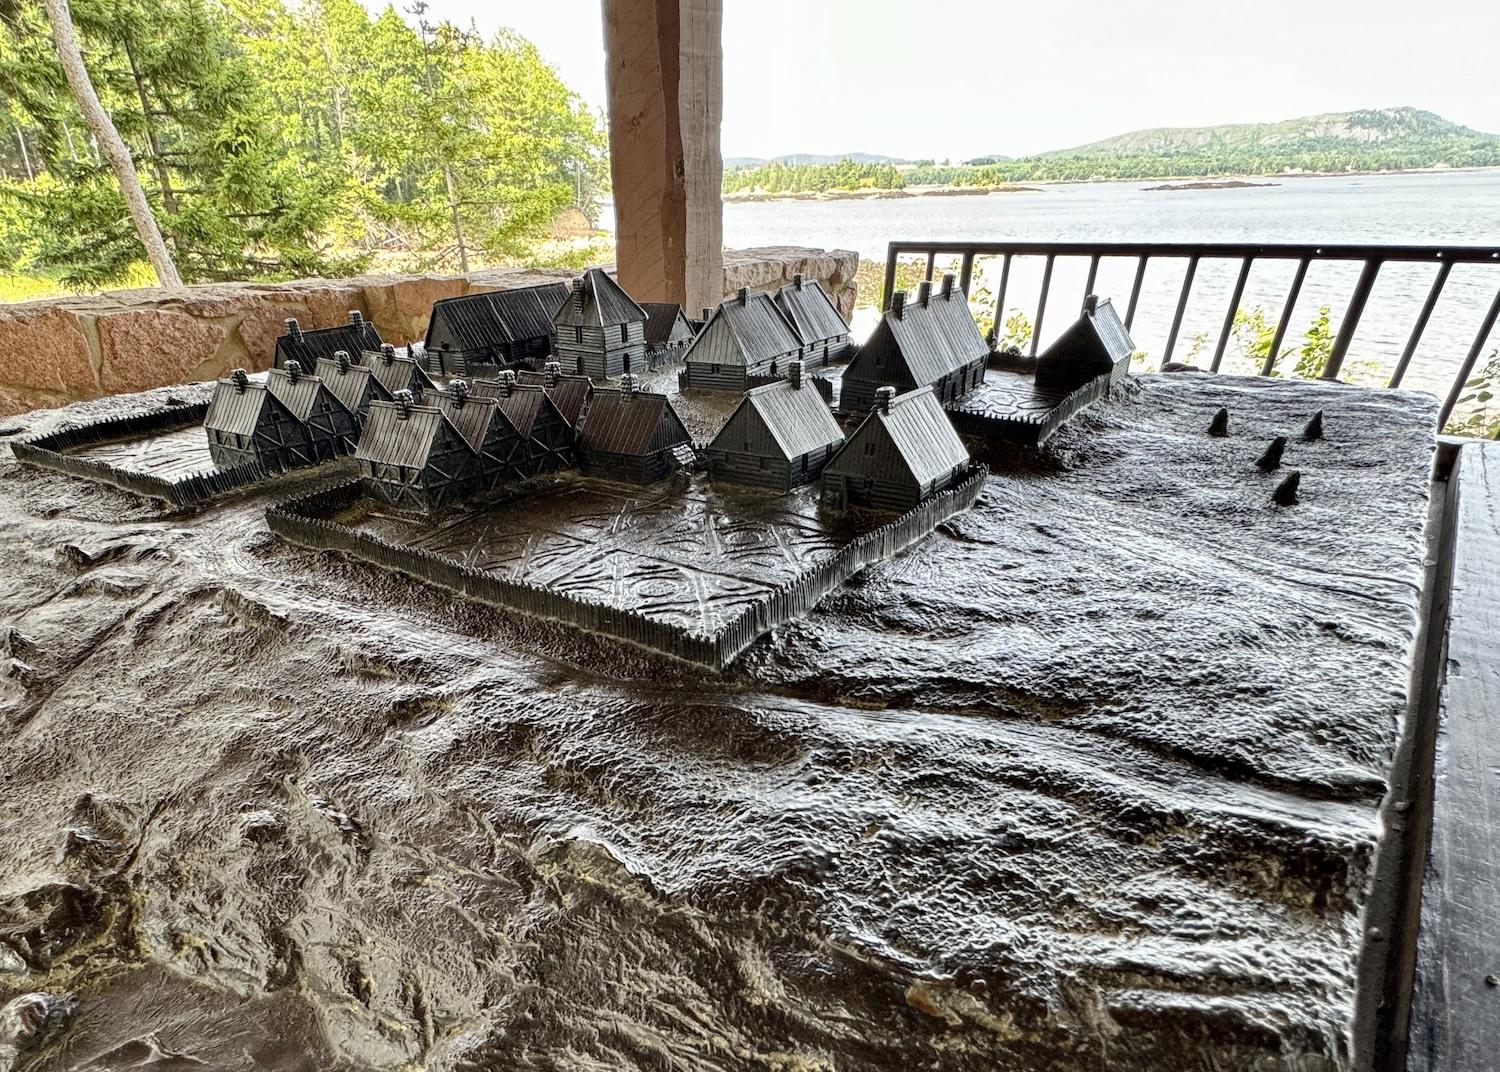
(666, 101)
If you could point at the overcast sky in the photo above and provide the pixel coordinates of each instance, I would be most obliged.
(960, 79)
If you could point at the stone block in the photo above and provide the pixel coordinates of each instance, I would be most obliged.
(44, 348)
(150, 347)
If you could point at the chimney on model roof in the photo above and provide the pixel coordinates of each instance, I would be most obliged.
(627, 385)
(293, 328)
(293, 370)
(507, 383)
(898, 304)
(794, 375)
(241, 380)
(924, 293)
(797, 281)
(883, 398)
(707, 313)
(387, 353)
(356, 318)
(341, 359)
(576, 297)
(1090, 305)
(550, 372)
(403, 399)
(459, 389)
(742, 296)
(947, 285)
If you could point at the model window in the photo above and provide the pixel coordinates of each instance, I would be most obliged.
(578, 334)
(624, 329)
(714, 369)
(870, 448)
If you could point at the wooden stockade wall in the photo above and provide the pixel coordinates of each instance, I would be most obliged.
(1034, 427)
(303, 521)
(48, 452)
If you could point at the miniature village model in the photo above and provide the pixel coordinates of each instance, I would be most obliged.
(524, 424)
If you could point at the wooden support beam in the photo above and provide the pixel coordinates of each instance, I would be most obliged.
(666, 101)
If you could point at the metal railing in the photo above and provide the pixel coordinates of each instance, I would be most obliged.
(1371, 258)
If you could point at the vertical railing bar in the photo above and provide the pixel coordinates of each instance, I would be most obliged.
(1135, 290)
(1182, 300)
(1041, 304)
(890, 276)
(1234, 308)
(1286, 316)
(1433, 294)
(1088, 286)
(1350, 323)
(966, 273)
(931, 259)
(1487, 326)
(1000, 300)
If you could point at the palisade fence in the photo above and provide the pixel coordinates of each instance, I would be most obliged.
(1479, 289)
(304, 521)
(48, 451)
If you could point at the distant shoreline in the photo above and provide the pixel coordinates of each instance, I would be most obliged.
(881, 195)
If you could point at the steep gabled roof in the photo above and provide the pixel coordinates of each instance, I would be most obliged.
(798, 419)
(931, 339)
(597, 301)
(631, 422)
(401, 373)
(390, 439)
(493, 317)
(524, 405)
(665, 321)
(299, 395)
(474, 418)
(759, 329)
(307, 346)
(811, 312)
(237, 411)
(915, 434)
(348, 384)
(569, 392)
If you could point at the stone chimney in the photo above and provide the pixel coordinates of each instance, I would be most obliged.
(341, 359)
(241, 380)
(577, 295)
(387, 353)
(1091, 305)
(883, 399)
(797, 281)
(507, 383)
(356, 318)
(293, 370)
(924, 293)
(742, 296)
(706, 314)
(794, 375)
(293, 328)
(947, 285)
(550, 372)
(404, 400)
(459, 389)
(898, 304)
(627, 385)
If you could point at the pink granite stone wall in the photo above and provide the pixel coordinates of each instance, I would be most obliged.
(64, 349)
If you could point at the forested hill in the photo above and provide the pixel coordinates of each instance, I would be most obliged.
(1401, 129)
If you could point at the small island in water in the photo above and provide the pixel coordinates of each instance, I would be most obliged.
(1214, 184)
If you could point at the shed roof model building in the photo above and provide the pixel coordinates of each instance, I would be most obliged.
(569, 393)
(480, 334)
(355, 386)
(332, 428)
(601, 331)
(667, 327)
(629, 434)
(1097, 344)
(781, 435)
(306, 347)
(411, 456)
(248, 424)
(904, 451)
(822, 330)
(395, 371)
(746, 337)
(930, 342)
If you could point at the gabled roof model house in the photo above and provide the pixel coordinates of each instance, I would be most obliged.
(397, 372)
(412, 456)
(332, 428)
(355, 386)
(823, 332)
(480, 334)
(549, 435)
(904, 451)
(601, 331)
(247, 424)
(931, 342)
(1096, 345)
(306, 347)
(570, 394)
(781, 435)
(630, 434)
(746, 337)
(668, 331)
(502, 453)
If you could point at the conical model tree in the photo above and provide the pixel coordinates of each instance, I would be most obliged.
(60, 16)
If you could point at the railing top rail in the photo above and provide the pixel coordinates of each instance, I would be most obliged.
(1229, 250)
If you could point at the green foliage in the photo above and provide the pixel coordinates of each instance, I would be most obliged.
(1017, 333)
(1477, 412)
(277, 140)
(779, 178)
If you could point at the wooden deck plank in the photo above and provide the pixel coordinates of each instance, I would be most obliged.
(1456, 1002)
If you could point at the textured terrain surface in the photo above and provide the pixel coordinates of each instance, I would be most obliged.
(1089, 779)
